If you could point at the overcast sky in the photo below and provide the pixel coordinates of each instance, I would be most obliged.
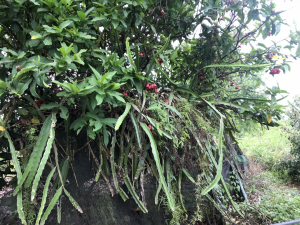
(290, 81)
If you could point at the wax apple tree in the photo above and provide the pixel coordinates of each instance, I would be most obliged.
(154, 83)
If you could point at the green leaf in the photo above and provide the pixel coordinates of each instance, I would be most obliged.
(32, 89)
(238, 65)
(24, 70)
(154, 106)
(298, 49)
(155, 153)
(20, 208)
(81, 15)
(45, 194)
(128, 51)
(138, 85)
(153, 29)
(22, 111)
(51, 205)
(35, 35)
(115, 23)
(122, 117)
(108, 76)
(49, 106)
(96, 73)
(63, 25)
(136, 127)
(134, 195)
(262, 45)
(19, 176)
(188, 175)
(64, 112)
(255, 14)
(3, 84)
(266, 31)
(173, 109)
(138, 19)
(36, 154)
(74, 203)
(220, 163)
(22, 87)
(101, 17)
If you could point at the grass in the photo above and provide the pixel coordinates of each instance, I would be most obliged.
(266, 147)
(273, 198)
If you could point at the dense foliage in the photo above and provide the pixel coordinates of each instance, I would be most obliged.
(291, 165)
(153, 82)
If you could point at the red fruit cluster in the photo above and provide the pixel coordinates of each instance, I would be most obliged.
(201, 77)
(271, 56)
(237, 87)
(162, 11)
(160, 61)
(232, 83)
(141, 54)
(125, 92)
(150, 127)
(167, 102)
(151, 87)
(40, 102)
(275, 71)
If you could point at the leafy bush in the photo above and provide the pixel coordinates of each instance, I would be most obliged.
(138, 80)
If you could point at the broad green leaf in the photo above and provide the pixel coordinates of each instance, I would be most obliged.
(154, 106)
(24, 70)
(35, 120)
(96, 73)
(2, 84)
(22, 111)
(33, 89)
(115, 23)
(255, 14)
(81, 15)
(101, 17)
(47, 41)
(22, 87)
(64, 25)
(49, 106)
(64, 112)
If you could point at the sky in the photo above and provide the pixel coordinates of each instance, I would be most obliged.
(290, 81)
